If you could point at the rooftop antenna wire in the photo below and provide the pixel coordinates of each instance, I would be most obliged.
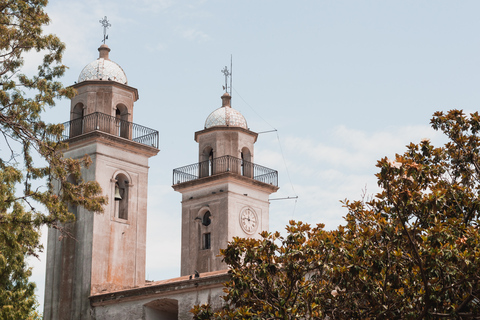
(281, 150)
(288, 173)
(238, 94)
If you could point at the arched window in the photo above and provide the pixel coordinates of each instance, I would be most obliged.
(247, 165)
(121, 196)
(76, 125)
(121, 119)
(206, 219)
(204, 229)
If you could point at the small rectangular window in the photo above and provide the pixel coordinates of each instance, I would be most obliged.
(206, 241)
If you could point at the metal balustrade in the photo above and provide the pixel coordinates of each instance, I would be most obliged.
(105, 123)
(222, 165)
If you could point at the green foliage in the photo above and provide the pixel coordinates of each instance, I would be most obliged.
(411, 252)
(17, 293)
(46, 189)
(278, 277)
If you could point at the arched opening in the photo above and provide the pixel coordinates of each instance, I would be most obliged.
(247, 165)
(161, 309)
(76, 124)
(204, 220)
(206, 162)
(207, 219)
(210, 160)
(121, 196)
(121, 121)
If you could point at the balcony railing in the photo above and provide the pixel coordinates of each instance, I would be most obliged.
(105, 123)
(222, 165)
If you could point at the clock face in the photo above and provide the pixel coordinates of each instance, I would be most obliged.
(248, 220)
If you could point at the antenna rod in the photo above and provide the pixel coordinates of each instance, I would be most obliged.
(287, 198)
(231, 72)
(275, 130)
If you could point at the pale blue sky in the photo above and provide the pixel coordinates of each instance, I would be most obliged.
(344, 82)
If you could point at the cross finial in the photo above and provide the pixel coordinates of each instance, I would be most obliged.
(105, 25)
(227, 74)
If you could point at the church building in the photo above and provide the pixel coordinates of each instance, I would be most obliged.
(99, 272)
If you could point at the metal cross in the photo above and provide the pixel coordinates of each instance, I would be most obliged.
(226, 73)
(105, 25)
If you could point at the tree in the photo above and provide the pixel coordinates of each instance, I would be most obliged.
(410, 252)
(47, 186)
(276, 277)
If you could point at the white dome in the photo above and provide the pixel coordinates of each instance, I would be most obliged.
(102, 69)
(226, 116)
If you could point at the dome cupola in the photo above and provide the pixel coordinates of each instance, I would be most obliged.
(226, 116)
(103, 69)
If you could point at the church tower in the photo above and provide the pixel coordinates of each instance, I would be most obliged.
(225, 194)
(106, 251)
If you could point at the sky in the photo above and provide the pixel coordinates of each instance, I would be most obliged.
(343, 83)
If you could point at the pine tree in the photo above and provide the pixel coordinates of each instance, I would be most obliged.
(32, 193)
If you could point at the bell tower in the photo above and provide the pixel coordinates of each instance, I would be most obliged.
(106, 251)
(225, 194)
